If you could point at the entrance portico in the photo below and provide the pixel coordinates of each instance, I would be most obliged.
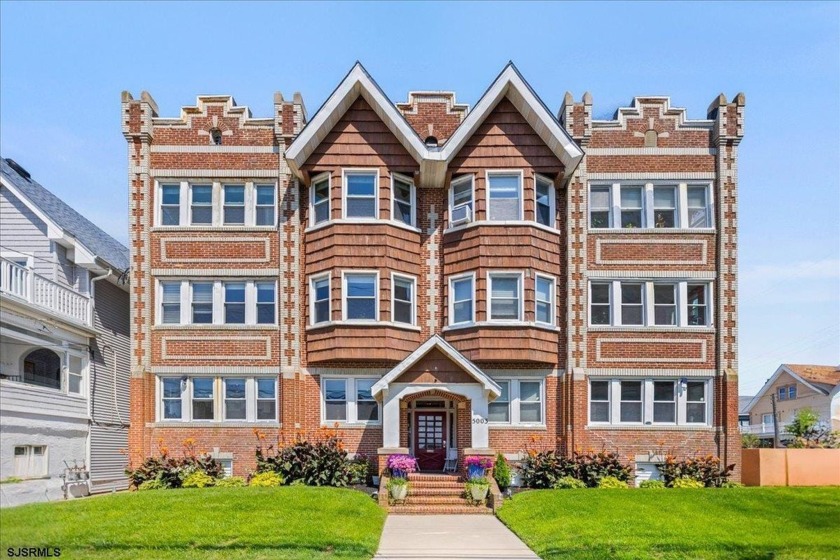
(434, 405)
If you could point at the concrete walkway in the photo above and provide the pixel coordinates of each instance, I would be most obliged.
(473, 537)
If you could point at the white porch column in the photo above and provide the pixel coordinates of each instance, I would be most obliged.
(391, 419)
(480, 427)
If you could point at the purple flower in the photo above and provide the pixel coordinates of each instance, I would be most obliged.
(403, 463)
(478, 461)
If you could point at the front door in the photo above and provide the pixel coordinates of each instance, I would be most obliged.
(430, 440)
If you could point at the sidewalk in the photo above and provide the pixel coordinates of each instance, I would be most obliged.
(473, 537)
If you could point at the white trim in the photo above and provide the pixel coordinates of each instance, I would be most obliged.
(312, 300)
(451, 299)
(351, 401)
(413, 279)
(648, 184)
(219, 397)
(520, 275)
(470, 177)
(552, 301)
(648, 316)
(317, 179)
(376, 294)
(647, 390)
(412, 196)
(502, 223)
(515, 403)
(345, 172)
(552, 200)
(217, 302)
(521, 197)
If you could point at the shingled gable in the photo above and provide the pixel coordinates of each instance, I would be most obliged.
(493, 389)
(821, 387)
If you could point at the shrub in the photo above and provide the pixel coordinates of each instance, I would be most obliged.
(542, 469)
(266, 480)
(198, 479)
(809, 433)
(652, 484)
(707, 470)
(317, 461)
(501, 472)
(231, 482)
(750, 441)
(358, 469)
(171, 471)
(686, 482)
(567, 482)
(152, 484)
(611, 482)
(729, 484)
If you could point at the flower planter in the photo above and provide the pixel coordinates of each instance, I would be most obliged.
(479, 493)
(475, 471)
(399, 491)
(398, 473)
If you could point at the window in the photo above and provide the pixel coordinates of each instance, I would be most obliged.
(320, 294)
(367, 409)
(792, 392)
(600, 207)
(521, 402)
(664, 207)
(235, 303)
(360, 296)
(170, 205)
(234, 206)
(265, 205)
(335, 399)
(545, 201)
(664, 402)
(499, 410)
(201, 204)
(544, 300)
(30, 461)
(202, 302)
(321, 199)
(631, 401)
(170, 302)
(695, 411)
(75, 373)
(227, 467)
(461, 195)
(402, 306)
(403, 195)
(631, 207)
(202, 398)
(697, 305)
(782, 392)
(461, 295)
(665, 304)
(505, 297)
(42, 367)
(632, 305)
(599, 401)
(360, 194)
(172, 403)
(767, 419)
(266, 399)
(235, 402)
(600, 304)
(504, 196)
(266, 294)
(698, 207)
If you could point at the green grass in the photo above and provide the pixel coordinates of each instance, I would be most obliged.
(293, 522)
(741, 523)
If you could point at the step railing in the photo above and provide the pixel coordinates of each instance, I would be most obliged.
(22, 283)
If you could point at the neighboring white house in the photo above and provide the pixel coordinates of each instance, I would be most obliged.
(795, 387)
(64, 342)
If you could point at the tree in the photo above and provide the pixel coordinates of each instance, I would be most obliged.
(808, 431)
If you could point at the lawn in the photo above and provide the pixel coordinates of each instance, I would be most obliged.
(744, 523)
(295, 522)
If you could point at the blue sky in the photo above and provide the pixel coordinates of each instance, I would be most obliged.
(63, 66)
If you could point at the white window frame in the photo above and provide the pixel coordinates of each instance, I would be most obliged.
(313, 294)
(681, 215)
(218, 301)
(160, 301)
(213, 307)
(16, 256)
(257, 399)
(252, 287)
(463, 179)
(351, 396)
(676, 389)
(82, 374)
(452, 279)
(412, 198)
(184, 386)
(192, 186)
(649, 311)
(610, 211)
(317, 179)
(552, 301)
(376, 294)
(29, 454)
(224, 399)
(243, 303)
(257, 206)
(589, 401)
(215, 398)
(552, 200)
(219, 397)
(497, 172)
(619, 311)
(710, 206)
(650, 195)
(515, 401)
(614, 394)
(413, 302)
(346, 172)
(355, 402)
(506, 274)
(183, 214)
(507, 402)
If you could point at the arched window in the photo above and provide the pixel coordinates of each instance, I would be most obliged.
(431, 141)
(216, 136)
(42, 367)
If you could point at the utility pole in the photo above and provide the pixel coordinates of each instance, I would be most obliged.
(775, 422)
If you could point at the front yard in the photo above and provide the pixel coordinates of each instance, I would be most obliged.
(716, 523)
(292, 522)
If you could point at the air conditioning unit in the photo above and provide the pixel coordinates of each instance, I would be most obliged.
(461, 214)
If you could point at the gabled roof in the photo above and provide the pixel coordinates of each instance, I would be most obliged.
(434, 160)
(450, 352)
(822, 379)
(53, 209)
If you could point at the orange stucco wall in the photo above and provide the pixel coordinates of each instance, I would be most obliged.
(790, 467)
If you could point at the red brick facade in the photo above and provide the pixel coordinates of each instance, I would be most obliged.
(218, 144)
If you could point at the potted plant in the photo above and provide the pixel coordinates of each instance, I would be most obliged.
(477, 488)
(398, 488)
(401, 465)
(477, 466)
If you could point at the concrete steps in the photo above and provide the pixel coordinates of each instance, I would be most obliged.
(436, 494)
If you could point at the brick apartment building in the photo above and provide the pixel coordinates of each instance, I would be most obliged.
(434, 279)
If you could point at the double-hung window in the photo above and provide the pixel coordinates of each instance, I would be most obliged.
(202, 302)
(664, 402)
(462, 208)
(650, 303)
(696, 402)
(320, 199)
(234, 205)
(652, 401)
(544, 300)
(600, 207)
(521, 402)
(360, 291)
(792, 392)
(461, 295)
(402, 305)
(234, 303)
(360, 200)
(699, 213)
(599, 303)
(202, 398)
(171, 302)
(349, 400)
(75, 374)
(632, 206)
(238, 302)
(651, 205)
(632, 304)
(665, 304)
(545, 201)
(499, 410)
(264, 213)
(266, 302)
(782, 393)
(266, 399)
(505, 296)
(170, 205)
(504, 196)
(335, 400)
(631, 405)
(367, 409)
(172, 397)
(599, 401)
(235, 401)
(320, 293)
(403, 199)
(201, 204)
(530, 402)
(664, 207)
(697, 304)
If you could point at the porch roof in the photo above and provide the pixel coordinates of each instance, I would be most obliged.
(493, 389)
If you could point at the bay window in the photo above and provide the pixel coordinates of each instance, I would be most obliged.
(461, 297)
(360, 196)
(461, 198)
(403, 196)
(545, 201)
(504, 196)
(505, 296)
(360, 296)
(544, 306)
(319, 294)
(649, 401)
(320, 199)
(403, 302)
